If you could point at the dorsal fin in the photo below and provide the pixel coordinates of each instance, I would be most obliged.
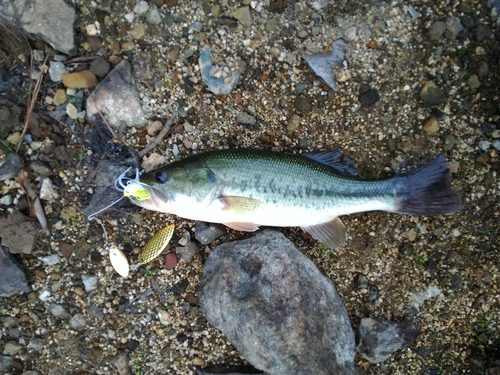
(334, 159)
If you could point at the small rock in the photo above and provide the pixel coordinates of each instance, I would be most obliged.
(100, 67)
(141, 7)
(11, 166)
(170, 261)
(6, 200)
(71, 111)
(405, 146)
(369, 98)
(68, 212)
(454, 25)
(121, 361)
(197, 361)
(431, 94)
(302, 105)
(496, 144)
(217, 84)
(243, 16)
(379, 339)
(293, 123)
(431, 126)
(56, 71)
(143, 66)
(456, 281)
(78, 322)
(51, 260)
(90, 282)
(19, 233)
(473, 82)
(37, 344)
(12, 278)
(186, 253)
(245, 118)
(207, 233)
(271, 25)
(449, 142)
(483, 32)
(350, 33)
(483, 69)
(47, 191)
(11, 348)
(117, 98)
(94, 311)
(59, 311)
(60, 97)
(78, 80)
(436, 30)
(138, 31)
(153, 17)
(484, 145)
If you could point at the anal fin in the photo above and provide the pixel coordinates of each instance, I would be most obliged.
(332, 233)
(244, 227)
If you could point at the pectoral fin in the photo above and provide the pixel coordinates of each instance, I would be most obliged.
(239, 205)
(244, 227)
(332, 233)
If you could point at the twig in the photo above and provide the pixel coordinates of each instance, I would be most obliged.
(160, 136)
(32, 98)
(100, 113)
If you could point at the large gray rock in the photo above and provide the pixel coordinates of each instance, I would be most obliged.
(50, 20)
(275, 306)
(12, 278)
(379, 339)
(117, 98)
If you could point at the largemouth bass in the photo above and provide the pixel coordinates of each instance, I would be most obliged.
(246, 188)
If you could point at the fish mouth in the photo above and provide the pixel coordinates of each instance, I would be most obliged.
(140, 193)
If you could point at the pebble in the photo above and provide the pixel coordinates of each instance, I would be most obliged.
(473, 82)
(11, 167)
(206, 233)
(186, 253)
(11, 348)
(369, 98)
(59, 311)
(293, 123)
(68, 212)
(350, 33)
(496, 144)
(153, 17)
(90, 282)
(56, 71)
(455, 232)
(431, 126)
(100, 67)
(6, 200)
(51, 259)
(60, 97)
(271, 25)
(44, 295)
(436, 30)
(243, 16)
(483, 32)
(47, 191)
(94, 311)
(71, 111)
(138, 31)
(141, 7)
(449, 142)
(245, 118)
(302, 105)
(78, 322)
(484, 145)
(170, 261)
(454, 25)
(78, 80)
(431, 94)
(37, 344)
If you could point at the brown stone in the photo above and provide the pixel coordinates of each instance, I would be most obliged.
(78, 80)
(60, 97)
(432, 125)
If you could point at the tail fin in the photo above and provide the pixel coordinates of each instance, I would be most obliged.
(426, 190)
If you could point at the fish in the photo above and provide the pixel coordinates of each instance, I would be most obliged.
(245, 189)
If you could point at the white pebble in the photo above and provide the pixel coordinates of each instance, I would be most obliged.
(44, 295)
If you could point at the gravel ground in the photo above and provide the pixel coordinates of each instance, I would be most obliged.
(440, 273)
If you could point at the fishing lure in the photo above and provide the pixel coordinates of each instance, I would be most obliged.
(119, 261)
(132, 188)
(156, 244)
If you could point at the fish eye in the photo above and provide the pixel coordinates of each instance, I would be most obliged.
(161, 177)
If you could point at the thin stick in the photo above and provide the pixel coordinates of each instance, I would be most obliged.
(32, 98)
(160, 136)
(100, 113)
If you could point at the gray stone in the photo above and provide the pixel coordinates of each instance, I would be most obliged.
(12, 278)
(186, 253)
(141, 7)
(10, 322)
(11, 348)
(379, 339)
(11, 166)
(218, 85)
(323, 65)
(121, 361)
(454, 25)
(37, 344)
(245, 118)
(56, 71)
(117, 98)
(436, 30)
(100, 66)
(275, 306)
(293, 123)
(350, 34)
(271, 25)
(369, 98)
(153, 17)
(431, 94)
(59, 311)
(8, 122)
(78, 322)
(89, 282)
(18, 233)
(473, 82)
(302, 105)
(94, 311)
(40, 19)
(51, 260)
(243, 16)
(207, 233)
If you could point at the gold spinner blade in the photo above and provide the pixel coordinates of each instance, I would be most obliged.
(156, 244)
